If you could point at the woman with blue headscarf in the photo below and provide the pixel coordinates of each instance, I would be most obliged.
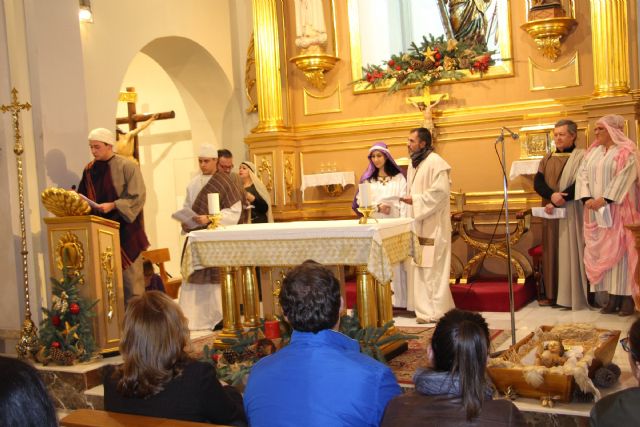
(387, 184)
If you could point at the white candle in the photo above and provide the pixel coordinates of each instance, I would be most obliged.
(364, 194)
(214, 203)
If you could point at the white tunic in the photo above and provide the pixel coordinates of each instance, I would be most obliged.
(380, 192)
(428, 291)
(202, 303)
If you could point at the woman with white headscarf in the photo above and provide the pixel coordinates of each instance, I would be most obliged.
(257, 194)
(608, 185)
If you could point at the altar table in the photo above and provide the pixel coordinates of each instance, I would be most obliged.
(374, 248)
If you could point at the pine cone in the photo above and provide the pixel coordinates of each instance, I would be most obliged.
(416, 64)
(428, 65)
(61, 357)
(231, 356)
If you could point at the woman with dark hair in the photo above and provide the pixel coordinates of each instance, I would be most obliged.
(622, 408)
(386, 182)
(454, 388)
(24, 401)
(158, 377)
(386, 185)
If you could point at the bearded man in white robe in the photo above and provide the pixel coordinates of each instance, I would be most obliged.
(428, 292)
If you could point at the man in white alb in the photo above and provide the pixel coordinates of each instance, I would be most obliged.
(428, 292)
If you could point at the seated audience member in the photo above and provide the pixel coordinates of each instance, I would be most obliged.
(152, 280)
(24, 401)
(158, 378)
(622, 408)
(454, 389)
(320, 378)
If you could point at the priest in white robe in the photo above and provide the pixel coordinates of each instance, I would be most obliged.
(429, 187)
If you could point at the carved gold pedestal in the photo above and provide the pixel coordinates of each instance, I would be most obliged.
(91, 247)
(366, 297)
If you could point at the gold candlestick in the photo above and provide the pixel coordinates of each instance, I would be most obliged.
(366, 213)
(215, 221)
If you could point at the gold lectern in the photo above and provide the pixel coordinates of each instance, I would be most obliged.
(90, 246)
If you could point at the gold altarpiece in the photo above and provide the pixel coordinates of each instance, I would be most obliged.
(301, 126)
(89, 247)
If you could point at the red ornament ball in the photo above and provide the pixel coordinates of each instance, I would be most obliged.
(74, 308)
(55, 320)
(55, 344)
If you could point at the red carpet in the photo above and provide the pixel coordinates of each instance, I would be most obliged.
(492, 294)
(484, 294)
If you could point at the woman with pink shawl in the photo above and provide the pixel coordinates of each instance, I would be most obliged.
(608, 185)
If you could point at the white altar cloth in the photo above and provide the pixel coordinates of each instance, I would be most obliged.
(523, 167)
(377, 245)
(328, 178)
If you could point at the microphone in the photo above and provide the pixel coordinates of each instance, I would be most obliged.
(511, 133)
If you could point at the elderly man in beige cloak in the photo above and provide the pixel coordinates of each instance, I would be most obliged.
(565, 280)
(428, 292)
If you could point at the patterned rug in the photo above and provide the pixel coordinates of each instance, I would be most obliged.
(405, 365)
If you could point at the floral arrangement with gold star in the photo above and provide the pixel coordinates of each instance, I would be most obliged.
(435, 59)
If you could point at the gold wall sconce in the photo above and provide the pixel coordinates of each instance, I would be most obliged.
(314, 66)
(549, 22)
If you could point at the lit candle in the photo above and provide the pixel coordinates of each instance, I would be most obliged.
(214, 203)
(364, 194)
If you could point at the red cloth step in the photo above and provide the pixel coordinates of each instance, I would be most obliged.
(492, 294)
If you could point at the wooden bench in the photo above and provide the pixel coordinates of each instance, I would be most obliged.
(95, 418)
(159, 257)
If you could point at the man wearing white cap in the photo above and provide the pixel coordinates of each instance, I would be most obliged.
(201, 302)
(116, 185)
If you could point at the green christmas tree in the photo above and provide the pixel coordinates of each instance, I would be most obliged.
(65, 333)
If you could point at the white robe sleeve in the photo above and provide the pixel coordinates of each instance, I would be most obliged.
(433, 199)
(231, 215)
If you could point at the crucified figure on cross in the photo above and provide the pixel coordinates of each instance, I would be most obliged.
(126, 140)
(426, 103)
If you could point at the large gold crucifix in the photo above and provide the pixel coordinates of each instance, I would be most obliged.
(426, 103)
(28, 344)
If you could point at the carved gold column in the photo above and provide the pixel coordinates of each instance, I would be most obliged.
(268, 79)
(366, 297)
(250, 298)
(231, 324)
(609, 39)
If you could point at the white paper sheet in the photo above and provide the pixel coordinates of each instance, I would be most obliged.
(603, 217)
(185, 216)
(556, 214)
(93, 204)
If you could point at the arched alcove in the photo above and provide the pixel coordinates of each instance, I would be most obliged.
(176, 73)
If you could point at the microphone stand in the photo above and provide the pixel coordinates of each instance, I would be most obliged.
(500, 139)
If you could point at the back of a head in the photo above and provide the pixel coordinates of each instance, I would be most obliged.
(154, 343)
(310, 297)
(634, 341)
(461, 346)
(24, 401)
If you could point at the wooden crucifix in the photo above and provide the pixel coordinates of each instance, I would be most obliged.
(133, 118)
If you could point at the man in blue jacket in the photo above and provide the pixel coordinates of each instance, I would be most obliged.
(320, 378)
